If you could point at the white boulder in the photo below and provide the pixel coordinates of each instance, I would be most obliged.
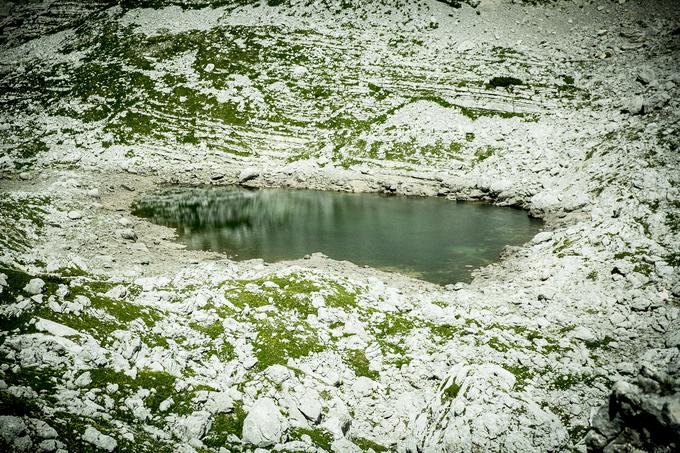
(264, 425)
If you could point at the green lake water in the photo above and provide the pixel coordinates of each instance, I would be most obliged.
(433, 239)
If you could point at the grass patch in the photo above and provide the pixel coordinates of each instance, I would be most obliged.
(320, 437)
(358, 362)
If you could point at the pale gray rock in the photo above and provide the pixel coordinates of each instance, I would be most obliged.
(643, 415)
(247, 174)
(193, 426)
(99, 440)
(543, 236)
(310, 406)
(583, 333)
(344, 445)
(83, 380)
(11, 428)
(220, 402)
(50, 445)
(128, 233)
(43, 430)
(635, 106)
(264, 425)
(34, 286)
(465, 46)
(645, 76)
(75, 215)
(363, 386)
(117, 292)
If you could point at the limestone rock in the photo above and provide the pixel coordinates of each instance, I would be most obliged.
(34, 286)
(264, 425)
(99, 440)
(128, 233)
(247, 174)
(643, 415)
(310, 406)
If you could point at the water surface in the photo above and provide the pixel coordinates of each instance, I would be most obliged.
(433, 239)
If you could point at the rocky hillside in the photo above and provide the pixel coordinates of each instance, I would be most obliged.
(114, 337)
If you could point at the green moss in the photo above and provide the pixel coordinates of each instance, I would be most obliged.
(560, 247)
(622, 255)
(451, 392)
(498, 345)
(19, 215)
(522, 374)
(276, 343)
(224, 425)
(444, 332)
(598, 344)
(567, 329)
(358, 362)
(213, 330)
(481, 154)
(19, 406)
(367, 444)
(567, 381)
(592, 275)
(320, 437)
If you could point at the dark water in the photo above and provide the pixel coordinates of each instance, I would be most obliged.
(433, 239)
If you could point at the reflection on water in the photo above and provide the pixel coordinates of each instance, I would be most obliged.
(434, 239)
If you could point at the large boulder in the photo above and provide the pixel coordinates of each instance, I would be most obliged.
(264, 424)
(643, 415)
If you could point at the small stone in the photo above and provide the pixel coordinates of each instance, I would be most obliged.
(127, 187)
(74, 215)
(363, 386)
(310, 406)
(635, 106)
(117, 292)
(465, 46)
(11, 428)
(127, 233)
(543, 236)
(25, 176)
(645, 76)
(249, 363)
(34, 286)
(83, 380)
(248, 174)
(124, 222)
(99, 440)
(165, 404)
(209, 67)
